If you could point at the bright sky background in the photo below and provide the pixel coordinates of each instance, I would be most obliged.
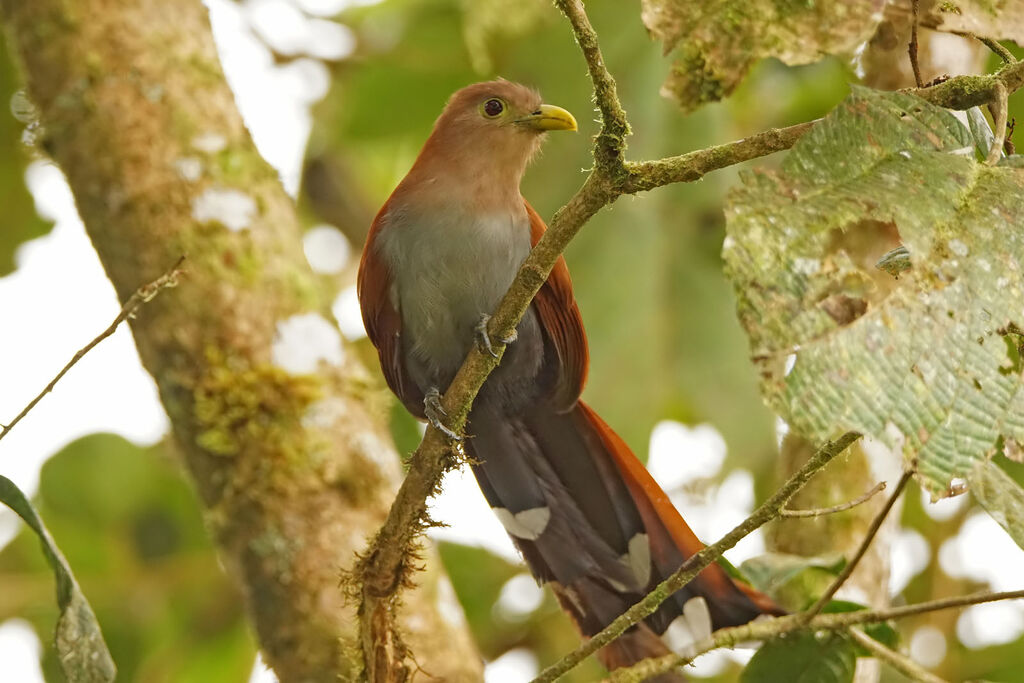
(58, 299)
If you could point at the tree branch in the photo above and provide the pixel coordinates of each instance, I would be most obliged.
(876, 524)
(905, 665)
(767, 629)
(384, 568)
(912, 48)
(688, 168)
(142, 295)
(819, 512)
(997, 48)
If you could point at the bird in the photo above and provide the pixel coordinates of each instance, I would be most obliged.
(587, 517)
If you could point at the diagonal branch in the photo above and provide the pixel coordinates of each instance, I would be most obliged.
(769, 510)
(876, 524)
(772, 628)
(385, 567)
(905, 665)
(142, 295)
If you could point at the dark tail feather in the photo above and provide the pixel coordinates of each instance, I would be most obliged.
(591, 521)
(731, 603)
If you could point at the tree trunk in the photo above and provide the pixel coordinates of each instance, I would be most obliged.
(293, 466)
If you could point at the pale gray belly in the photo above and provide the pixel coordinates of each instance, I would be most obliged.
(451, 277)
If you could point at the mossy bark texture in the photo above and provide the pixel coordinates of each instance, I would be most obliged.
(294, 470)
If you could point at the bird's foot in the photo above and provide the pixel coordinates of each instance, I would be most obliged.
(433, 410)
(485, 339)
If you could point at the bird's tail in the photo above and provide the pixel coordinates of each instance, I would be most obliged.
(592, 522)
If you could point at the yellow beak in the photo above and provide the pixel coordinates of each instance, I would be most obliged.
(549, 117)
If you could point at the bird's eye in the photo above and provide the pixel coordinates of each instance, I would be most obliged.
(493, 107)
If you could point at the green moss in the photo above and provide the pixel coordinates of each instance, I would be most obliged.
(308, 295)
(227, 256)
(694, 80)
(237, 403)
(240, 165)
(204, 71)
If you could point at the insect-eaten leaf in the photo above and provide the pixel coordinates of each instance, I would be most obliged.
(803, 658)
(83, 654)
(923, 363)
(719, 40)
(1002, 498)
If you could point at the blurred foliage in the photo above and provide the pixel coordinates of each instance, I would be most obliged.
(18, 218)
(478, 577)
(794, 581)
(803, 658)
(665, 342)
(81, 652)
(129, 524)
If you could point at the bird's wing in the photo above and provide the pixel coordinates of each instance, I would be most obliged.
(382, 320)
(562, 324)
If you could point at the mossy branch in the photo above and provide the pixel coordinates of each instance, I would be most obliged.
(773, 628)
(385, 566)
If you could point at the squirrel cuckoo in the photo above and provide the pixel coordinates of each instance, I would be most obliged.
(583, 511)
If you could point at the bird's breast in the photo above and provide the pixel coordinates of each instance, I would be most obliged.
(449, 270)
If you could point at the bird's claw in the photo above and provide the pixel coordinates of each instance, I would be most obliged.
(485, 339)
(434, 411)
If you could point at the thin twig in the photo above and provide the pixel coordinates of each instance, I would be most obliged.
(697, 562)
(142, 295)
(997, 47)
(876, 524)
(818, 512)
(913, 46)
(766, 629)
(905, 665)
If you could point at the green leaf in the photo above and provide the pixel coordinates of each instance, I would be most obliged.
(803, 658)
(772, 572)
(83, 653)
(1001, 496)
(883, 632)
(984, 138)
(130, 525)
(919, 362)
(720, 40)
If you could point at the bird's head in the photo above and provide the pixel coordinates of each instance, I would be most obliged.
(488, 132)
(502, 112)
